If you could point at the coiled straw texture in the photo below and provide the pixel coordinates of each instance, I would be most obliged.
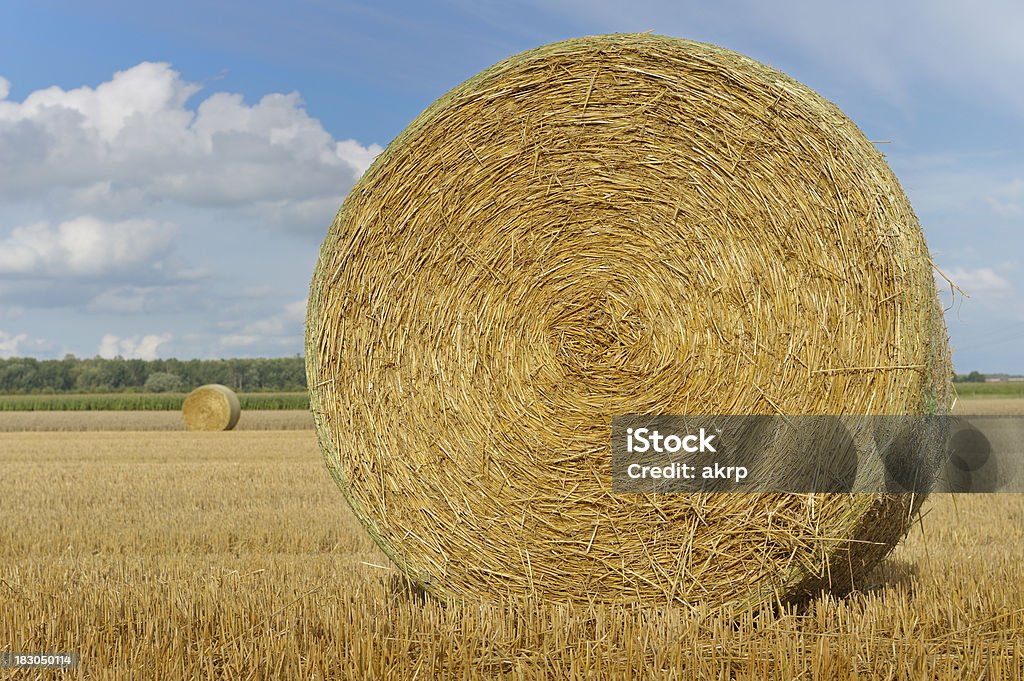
(211, 407)
(624, 224)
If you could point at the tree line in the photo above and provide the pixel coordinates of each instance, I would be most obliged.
(24, 375)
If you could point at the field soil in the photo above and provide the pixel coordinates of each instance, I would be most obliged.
(233, 555)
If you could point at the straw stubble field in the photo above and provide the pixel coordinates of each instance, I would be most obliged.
(232, 555)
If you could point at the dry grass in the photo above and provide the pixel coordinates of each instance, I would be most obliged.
(231, 555)
(989, 406)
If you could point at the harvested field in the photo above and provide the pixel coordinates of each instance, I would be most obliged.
(221, 555)
(989, 406)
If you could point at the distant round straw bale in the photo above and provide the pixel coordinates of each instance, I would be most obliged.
(211, 407)
(624, 224)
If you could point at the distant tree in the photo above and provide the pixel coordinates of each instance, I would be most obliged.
(89, 377)
(162, 382)
(71, 374)
(975, 377)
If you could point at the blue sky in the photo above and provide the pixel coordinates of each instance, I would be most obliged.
(168, 170)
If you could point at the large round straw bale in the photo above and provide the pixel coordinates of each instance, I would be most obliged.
(211, 407)
(625, 224)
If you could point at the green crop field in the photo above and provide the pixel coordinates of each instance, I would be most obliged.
(1004, 389)
(140, 401)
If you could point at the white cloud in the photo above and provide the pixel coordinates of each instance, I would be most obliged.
(9, 342)
(132, 141)
(122, 299)
(356, 155)
(1008, 199)
(980, 282)
(142, 93)
(283, 328)
(135, 347)
(103, 196)
(313, 214)
(83, 246)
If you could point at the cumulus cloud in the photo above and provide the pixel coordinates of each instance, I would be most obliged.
(147, 92)
(135, 347)
(356, 155)
(133, 140)
(83, 246)
(283, 328)
(9, 343)
(982, 281)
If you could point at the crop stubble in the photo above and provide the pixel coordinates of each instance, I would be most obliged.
(176, 554)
